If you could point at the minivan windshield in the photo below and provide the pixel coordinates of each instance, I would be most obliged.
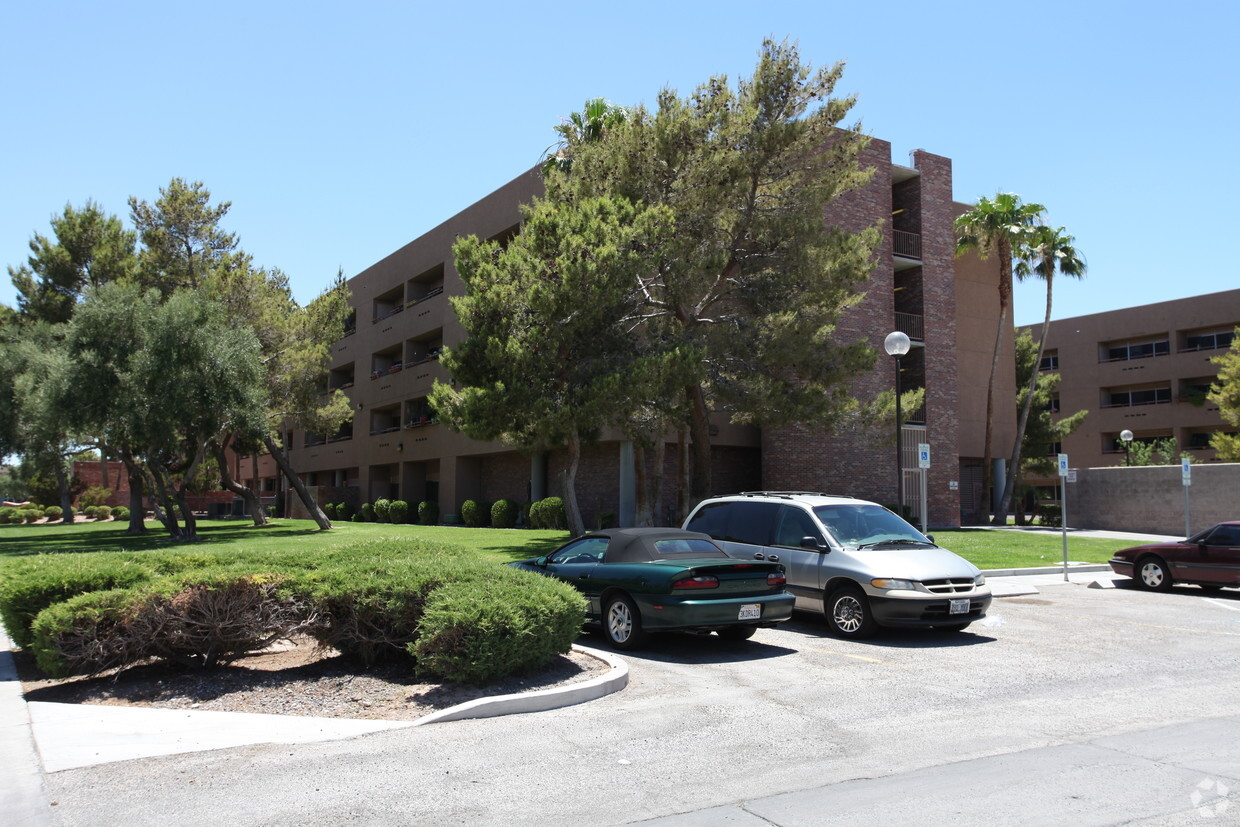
(867, 526)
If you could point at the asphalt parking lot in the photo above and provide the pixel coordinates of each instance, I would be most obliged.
(1038, 687)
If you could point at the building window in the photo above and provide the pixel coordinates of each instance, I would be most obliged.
(1129, 398)
(1140, 350)
(1053, 405)
(1050, 360)
(1209, 341)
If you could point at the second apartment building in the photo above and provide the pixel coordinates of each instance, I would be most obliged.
(1143, 369)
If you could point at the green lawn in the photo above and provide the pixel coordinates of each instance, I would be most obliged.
(1018, 550)
(986, 549)
(502, 545)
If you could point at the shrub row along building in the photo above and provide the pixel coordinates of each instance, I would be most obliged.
(387, 363)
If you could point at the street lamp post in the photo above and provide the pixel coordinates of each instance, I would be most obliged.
(897, 344)
(1126, 437)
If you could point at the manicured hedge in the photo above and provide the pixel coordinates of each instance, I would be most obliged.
(459, 617)
(504, 514)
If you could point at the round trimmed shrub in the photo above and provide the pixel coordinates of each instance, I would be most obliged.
(479, 631)
(8, 515)
(345, 511)
(504, 513)
(554, 514)
(428, 513)
(475, 513)
(31, 515)
(368, 513)
(52, 512)
(381, 510)
(103, 512)
(330, 510)
(398, 511)
(120, 513)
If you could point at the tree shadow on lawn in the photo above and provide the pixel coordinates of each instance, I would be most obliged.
(57, 538)
(63, 539)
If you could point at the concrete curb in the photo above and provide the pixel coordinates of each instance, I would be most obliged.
(1072, 567)
(617, 678)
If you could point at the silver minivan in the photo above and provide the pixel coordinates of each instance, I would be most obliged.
(859, 564)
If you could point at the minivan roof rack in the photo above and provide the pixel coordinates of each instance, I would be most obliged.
(791, 494)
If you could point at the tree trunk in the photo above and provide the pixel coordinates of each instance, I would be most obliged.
(161, 499)
(66, 496)
(137, 511)
(649, 484)
(655, 480)
(699, 432)
(1009, 486)
(682, 475)
(245, 493)
(642, 513)
(569, 476)
(1005, 295)
(277, 453)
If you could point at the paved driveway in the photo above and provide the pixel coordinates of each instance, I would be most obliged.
(1043, 682)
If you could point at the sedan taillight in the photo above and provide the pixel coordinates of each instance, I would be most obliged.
(702, 581)
(777, 578)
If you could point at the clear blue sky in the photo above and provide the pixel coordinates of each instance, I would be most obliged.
(340, 132)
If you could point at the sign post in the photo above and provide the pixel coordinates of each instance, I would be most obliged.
(1063, 509)
(1186, 477)
(923, 462)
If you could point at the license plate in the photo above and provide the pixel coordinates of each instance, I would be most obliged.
(959, 607)
(750, 611)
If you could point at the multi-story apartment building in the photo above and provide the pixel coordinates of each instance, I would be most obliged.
(1142, 369)
(387, 364)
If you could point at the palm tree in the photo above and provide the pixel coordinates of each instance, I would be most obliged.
(996, 227)
(586, 126)
(1045, 251)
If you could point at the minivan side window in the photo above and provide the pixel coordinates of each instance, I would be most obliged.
(794, 524)
(737, 522)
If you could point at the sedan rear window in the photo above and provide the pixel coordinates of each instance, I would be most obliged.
(688, 548)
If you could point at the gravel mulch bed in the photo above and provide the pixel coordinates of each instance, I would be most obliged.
(292, 679)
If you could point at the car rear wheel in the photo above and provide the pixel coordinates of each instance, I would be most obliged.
(622, 624)
(1153, 574)
(848, 613)
(737, 632)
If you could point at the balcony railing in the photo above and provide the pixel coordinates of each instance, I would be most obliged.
(906, 244)
(913, 325)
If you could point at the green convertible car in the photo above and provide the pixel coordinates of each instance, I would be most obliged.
(641, 580)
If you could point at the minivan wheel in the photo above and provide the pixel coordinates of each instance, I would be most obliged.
(622, 624)
(848, 613)
(1152, 574)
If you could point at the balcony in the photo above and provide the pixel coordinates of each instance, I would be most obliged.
(906, 244)
(912, 325)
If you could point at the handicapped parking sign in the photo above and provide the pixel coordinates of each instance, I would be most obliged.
(923, 455)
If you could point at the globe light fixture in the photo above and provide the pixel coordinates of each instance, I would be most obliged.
(1126, 437)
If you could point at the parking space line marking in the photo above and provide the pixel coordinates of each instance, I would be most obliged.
(854, 657)
(1155, 625)
(1226, 604)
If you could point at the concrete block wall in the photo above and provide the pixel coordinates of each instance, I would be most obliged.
(1150, 499)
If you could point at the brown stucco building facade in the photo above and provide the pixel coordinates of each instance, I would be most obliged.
(387, 365)
(1144, 369)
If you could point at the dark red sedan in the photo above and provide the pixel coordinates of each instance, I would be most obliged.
(1210, 559)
